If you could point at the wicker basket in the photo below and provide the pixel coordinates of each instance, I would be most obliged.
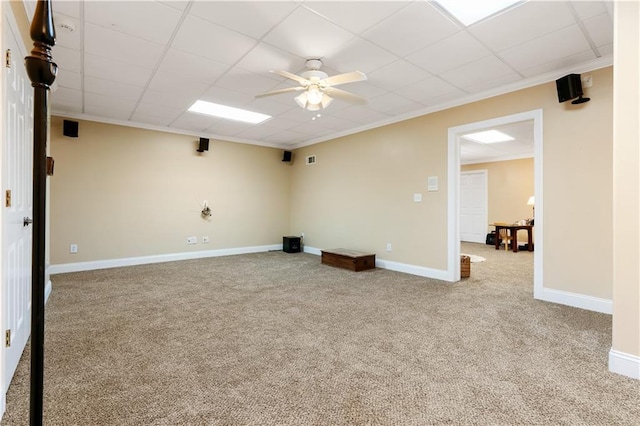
(465, 266)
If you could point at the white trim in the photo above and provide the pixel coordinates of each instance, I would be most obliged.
(453, 192)
(421, 271)
(47, 291)
(582, 301)
(143, 260)
(625, 364)
(497, 159)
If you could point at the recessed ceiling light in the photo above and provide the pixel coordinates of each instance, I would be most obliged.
(231, 113)
(471, 11)
(488, 136)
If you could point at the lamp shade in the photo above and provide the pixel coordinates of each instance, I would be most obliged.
(531, 201)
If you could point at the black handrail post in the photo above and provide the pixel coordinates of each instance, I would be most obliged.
(42, 73)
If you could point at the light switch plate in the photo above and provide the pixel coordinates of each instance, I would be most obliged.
(432, 183)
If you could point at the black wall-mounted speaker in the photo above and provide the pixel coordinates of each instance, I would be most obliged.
(286, 156)
(204, 145)
(70, 128)
(569, 87)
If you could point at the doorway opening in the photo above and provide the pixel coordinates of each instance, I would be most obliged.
(455, 141)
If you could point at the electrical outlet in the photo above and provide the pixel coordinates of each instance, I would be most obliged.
(192, 240)
(417, 198)
(388, 246)
(205, 240)
(73, 248)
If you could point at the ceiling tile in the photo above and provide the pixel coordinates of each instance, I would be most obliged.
(108, 106)
(67, 100)
(222, 96)
(69, 8)
(490, 83)
(425, 91)
(132, 18)
(600, 29)
(523, 23)
(452, 52)
(178, 4)
(561, 63)
(477, 72)
(359, 55)
(363, 115)
(411, 29)
(389, 102)
(181, 100)
(68, 59)
(243, 81)
(64, 36)
(252, 18)
(110, 69)
(116, 45)
(566, 42)
(366, 90)
(112, 88)
(264, 58)
(228, 127)
(351, 15)
(69, 79)
(172, 85)
(285, 136)
(266, 106)
(258, 133)
(212, 41)
(397, 74)
(186, 66)
(587, 9)
(163, 114)
(294, 36)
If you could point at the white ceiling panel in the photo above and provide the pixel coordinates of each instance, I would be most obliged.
(264, 58)
(294, 35)
(158, 57)
(396, 75)
(477, 72)
(109, 69)
(523, 23)
(411, 29)
(587, 9)
(355, 16)
(69, 79)
(600, 29)
(112, 88)
(252, 18)
(116, 45)
(452, 52)
(566, 42)
(125, 17)
(359, 55)
(212, 41)
(68, 59)
(426, 90)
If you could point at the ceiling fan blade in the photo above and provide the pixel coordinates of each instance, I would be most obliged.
(277, 92)
(345, 96)
(349, 77)
(303, 81)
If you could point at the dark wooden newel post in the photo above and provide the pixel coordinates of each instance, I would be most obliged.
(42, 72)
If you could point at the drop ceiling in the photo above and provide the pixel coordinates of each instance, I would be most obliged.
(143, 63)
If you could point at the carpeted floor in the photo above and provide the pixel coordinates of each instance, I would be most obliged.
(279, 339)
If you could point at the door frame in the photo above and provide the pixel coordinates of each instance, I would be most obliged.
(453, 207)
(484, 172)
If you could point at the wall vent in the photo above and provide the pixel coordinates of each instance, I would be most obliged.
(310, 160)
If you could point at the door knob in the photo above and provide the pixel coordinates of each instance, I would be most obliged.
(27, 221)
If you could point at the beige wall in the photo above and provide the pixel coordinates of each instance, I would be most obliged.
(510, 184)
(122, 192)
(626, 189)
(359, 194)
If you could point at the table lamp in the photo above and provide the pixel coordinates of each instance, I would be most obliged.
(532, 203)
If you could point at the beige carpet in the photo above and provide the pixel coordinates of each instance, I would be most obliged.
(279, 339)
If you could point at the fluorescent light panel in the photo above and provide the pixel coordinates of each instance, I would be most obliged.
(488, 136)
(231, 113)
(471, 11)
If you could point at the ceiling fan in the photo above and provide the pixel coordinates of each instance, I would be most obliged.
(318, 88)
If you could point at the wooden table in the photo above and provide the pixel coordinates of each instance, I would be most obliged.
(513, 231)
(349, 259)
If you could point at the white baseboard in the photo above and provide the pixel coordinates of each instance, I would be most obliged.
(47, 291)
(624, 364)
(421, 271)
(576, 300)
(143, 260)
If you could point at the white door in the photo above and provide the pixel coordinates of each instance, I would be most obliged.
(16, 204)
(473, 206)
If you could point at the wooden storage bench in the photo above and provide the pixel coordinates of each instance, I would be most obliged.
(349, 259)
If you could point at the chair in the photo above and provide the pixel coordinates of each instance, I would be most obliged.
(504, 236)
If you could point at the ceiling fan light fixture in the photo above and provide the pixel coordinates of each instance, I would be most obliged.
(301, 99)
(314, 95)
(326, 100)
